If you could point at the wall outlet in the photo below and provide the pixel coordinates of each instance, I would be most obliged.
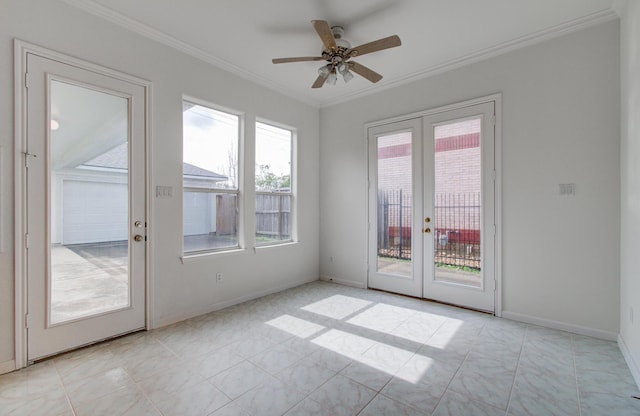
(218, 277)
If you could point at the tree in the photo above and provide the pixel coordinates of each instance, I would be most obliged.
(269, 181)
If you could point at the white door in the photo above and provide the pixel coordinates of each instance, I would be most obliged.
(459, 211)
(395, 205)
(432, 207)
(85, 136)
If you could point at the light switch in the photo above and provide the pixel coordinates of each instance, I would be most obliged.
(164, 191)
(567, 189)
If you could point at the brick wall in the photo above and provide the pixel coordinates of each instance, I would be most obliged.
(457, 172)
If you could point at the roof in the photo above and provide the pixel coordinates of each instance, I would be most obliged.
(116, 158)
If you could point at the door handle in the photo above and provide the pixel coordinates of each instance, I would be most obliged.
(427, 230)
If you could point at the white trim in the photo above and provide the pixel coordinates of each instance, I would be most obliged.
(620, 7)
(633, 366)
(504, 47)
(497, 163)
(21, 49)
(2, 197)
(442, 109)
(344, 282)
(20, 104)
(172, 319)
(562, 326)
(7, 366)
(149, 199)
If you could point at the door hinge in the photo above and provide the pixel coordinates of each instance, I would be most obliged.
(495, 175)
(26, 80)
(495, 285)
(493, 120)
(26, 240)
(27, 320)
(495, 229)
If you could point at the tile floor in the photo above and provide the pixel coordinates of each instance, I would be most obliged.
(325, 349)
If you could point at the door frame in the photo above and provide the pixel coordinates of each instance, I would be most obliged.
(21, 50)
(497, 100)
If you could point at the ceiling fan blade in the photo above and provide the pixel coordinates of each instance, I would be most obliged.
(319, 82)
(377, 45)
(297, 59)
(365, 72)
(325, 33)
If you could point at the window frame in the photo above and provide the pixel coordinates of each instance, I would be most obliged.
(293, 238)
(238, 190)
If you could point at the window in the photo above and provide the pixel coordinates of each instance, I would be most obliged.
(273, 184)
(210, 178)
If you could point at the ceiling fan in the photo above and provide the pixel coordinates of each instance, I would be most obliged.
(338, 53)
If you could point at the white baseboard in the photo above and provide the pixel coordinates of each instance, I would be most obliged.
(345, 282)
(562, 326)
(172, 319)
(635, 369)
(7, 366)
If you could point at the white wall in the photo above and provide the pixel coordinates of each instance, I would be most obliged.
(630, 187)
(561, 124)
(179, 290)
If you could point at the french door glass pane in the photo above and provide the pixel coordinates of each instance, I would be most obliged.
(457, 201)
(395, 204)
(88, 202)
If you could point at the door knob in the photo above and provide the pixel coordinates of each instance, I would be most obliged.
(137, 237)
(427, 230)
(137, 224)
(427, 220)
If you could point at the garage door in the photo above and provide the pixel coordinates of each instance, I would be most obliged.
(94, 212)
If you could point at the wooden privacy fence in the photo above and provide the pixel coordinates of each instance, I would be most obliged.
(273, 216)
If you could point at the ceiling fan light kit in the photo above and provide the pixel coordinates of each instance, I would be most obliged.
(338, 52)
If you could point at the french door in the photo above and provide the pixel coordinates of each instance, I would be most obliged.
(395, 162)
(432, 206)
(85, 200)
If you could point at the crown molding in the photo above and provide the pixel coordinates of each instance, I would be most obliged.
(620, 7)
(133, 25)
(140, 28)
(493, 51)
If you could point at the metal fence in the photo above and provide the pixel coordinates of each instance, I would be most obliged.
(394, 224)
(456, 227)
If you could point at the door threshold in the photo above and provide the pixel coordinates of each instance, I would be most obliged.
(435, 301)
(85, 346)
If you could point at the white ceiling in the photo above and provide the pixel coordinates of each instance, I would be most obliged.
(244, 35)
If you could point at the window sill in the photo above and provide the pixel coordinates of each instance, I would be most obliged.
(272, 245)
(190, 258)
